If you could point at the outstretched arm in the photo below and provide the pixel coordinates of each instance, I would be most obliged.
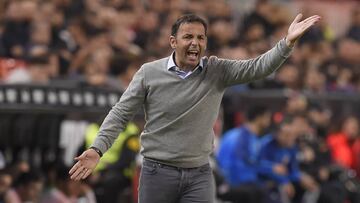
(243, 71)
(298, 28)
(114, 123)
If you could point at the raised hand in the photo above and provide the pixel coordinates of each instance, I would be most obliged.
(298, 28)
(85, 164)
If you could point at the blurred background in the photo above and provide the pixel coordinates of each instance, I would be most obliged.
(64, 63)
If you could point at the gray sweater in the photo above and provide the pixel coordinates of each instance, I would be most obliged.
(180, 113)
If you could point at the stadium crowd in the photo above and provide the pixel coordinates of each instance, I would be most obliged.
(102, 43)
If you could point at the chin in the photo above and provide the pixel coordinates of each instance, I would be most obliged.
(193, 63)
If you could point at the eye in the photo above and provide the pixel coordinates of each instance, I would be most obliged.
(187, 36)
(201, 37)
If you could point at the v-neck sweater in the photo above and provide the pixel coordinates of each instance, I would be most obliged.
(180, 113)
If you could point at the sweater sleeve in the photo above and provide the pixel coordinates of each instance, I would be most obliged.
(243, 71)
(115, 122)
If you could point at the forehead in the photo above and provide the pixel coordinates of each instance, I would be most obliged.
(191, 28)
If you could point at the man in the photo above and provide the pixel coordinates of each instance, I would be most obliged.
(278, 161)
(238, 158)
(181, 95)
(26, 188)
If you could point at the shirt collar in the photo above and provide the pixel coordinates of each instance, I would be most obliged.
(171, 63)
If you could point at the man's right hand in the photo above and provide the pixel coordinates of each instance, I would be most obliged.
(85, 164)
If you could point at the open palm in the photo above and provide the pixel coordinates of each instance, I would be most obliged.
(85, 164)
(298, 28)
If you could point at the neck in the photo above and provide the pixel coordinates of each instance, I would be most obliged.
(182, 67)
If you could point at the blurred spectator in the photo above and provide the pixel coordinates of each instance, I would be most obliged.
(278, 163)
(349, 51)
(288, 77)
(259, 17)
(124, 69)
(319, 118)
(238, 158)
(315, 159)
(18, 18)
(217, 37)
(5, 184)
(344, 81)
(27, 188)
(146, 28)
(18, 168)
(354, 29)
(37, 72)
(65, 190)
(315, 82)
(344, 143)
(296, 103)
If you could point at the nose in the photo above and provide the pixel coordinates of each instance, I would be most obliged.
(194, 42)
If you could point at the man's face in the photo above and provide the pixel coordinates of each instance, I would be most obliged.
(189, 44)
(31, 192)
(287, 136)
(266, 120)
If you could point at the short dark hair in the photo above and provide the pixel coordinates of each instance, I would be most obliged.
(289, 119)
(255, 111)
(26, 178)
(188, 18)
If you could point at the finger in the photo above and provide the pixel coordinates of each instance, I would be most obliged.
(77, 158)
(76, 178)
(72, 170)
(75, 167)
(84, 173)
(298, 18)
(87, 173)
(81, 174)
(77, 172)
(82, 156)
(307, 20)
(78, 175)
(307, 25)
(315, 17)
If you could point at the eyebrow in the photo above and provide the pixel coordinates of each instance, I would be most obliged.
(203, 35)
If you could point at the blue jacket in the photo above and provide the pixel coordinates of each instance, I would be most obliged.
(238, 156)
(272, 153)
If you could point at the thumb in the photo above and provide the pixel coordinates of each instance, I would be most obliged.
(82, 156)
(298, 18)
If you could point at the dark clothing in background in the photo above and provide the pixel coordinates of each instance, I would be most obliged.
(15, 33)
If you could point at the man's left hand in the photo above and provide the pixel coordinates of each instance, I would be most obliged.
(298, 28)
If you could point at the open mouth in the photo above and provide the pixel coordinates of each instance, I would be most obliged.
(192, 55)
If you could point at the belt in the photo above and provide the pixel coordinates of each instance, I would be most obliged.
(160, 165)
(152, 163)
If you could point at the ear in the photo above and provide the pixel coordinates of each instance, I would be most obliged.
(172, 41)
